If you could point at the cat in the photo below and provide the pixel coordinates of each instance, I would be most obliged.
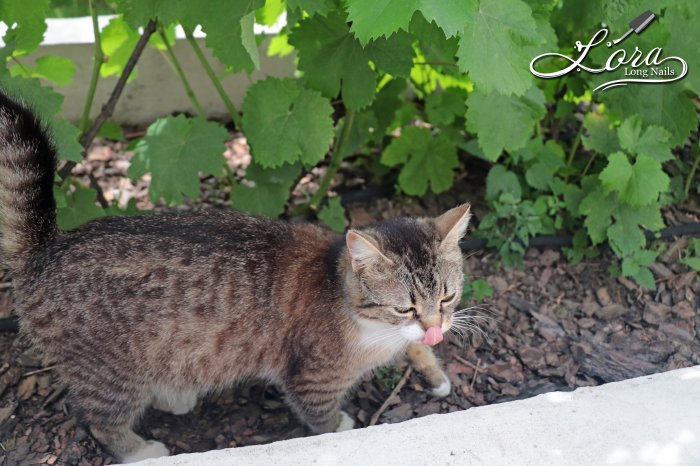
(160, 309)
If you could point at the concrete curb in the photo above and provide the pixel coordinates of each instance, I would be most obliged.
(156, 91)
(653, 420)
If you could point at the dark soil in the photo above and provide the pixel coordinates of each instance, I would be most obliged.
(550, 326)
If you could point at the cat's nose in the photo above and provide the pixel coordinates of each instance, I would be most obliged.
(434, 320)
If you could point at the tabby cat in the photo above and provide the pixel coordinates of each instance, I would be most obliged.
(159, 309)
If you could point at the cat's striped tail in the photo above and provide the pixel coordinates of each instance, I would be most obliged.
(27, 167)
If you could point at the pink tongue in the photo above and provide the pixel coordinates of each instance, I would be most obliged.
(433, 336)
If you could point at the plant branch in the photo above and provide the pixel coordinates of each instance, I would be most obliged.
(336, 158)
(108, 107)
(375, 417)
(98, 61)
(588, 165)
(574, 147)
(26, 72)
(235, 116)
(174, 62)
(693, 169)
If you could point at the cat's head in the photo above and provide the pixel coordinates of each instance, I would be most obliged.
(406, 274)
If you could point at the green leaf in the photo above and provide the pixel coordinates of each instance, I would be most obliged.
(43, 100)
(661, 105)
(393, 55)
(279, 46)
(286, 123)
(311, 7)
(175, 150)
(500, 180)
(270, 12)
(692, 262)
(375, 18)
(66, 137)
(333, 60)
(230, 33)
(59, 70)
(679, 19)
(654, 141)
(638, 184)
(386, 104)
(118, 41)
(426, 161)
(436, 47)
(443, 107)
(549, 160)
(76, 208)
(600, 136)
(270, 192)
(333, 215)
(111, 131)
(138, 12)
(26, 20)
(485, 117)
(492, 48)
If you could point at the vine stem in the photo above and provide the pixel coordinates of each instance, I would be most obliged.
(693, 169)
(574, 148)
(108, 108)
(26, 72)
(178, 70)
(588, 165)
(98, 61)
(336, 158)
(235, 116)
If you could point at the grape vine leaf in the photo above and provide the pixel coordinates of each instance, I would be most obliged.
(679, 20)
(638, 184)
(26, 23)
(493, 47)
(311, 7)
(664, 105)
(654, 141)
(375, 18)
(286, 123)
(66, 138)
(501, 180)
(433, 43)
(393, 55)
(270, 192)
(637, 267)
(333, 215)
(76, 208)
(333, 60)
(549, 159)
(58, 70)
(600, 136)
(485, 117)
(443, 107)
(426, 160)
(118, 41)
(138, 12)
(270, 12)
(625, 235)
(175, 150)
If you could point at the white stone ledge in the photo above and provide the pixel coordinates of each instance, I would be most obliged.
(652, 420)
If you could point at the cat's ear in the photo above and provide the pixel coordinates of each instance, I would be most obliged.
(452, 225)
(363, 251)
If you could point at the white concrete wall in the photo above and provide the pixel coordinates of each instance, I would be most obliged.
(156, 91)
(652, 420)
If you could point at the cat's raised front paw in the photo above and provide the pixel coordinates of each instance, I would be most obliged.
(443, 389)
(150, 449)
(346, 422)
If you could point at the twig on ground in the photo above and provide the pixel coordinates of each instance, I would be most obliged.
(108, 107)
(39, 371)
(60, 390)
(375, 417)
(477, 370)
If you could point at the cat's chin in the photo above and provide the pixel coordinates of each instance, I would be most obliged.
(412, 332)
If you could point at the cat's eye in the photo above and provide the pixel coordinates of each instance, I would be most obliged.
(405, 310)
(448, 299)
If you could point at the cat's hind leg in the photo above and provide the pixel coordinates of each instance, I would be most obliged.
(175, 402)
(424, 361)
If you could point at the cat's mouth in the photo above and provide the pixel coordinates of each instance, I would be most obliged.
(415, 333)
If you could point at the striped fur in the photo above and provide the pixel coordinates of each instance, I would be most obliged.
(158, 309)
(27, 164)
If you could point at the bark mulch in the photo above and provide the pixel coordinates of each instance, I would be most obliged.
(550, 326)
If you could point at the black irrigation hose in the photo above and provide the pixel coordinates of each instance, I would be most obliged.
(10, 324)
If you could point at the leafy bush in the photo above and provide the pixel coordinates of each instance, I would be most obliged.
(562, 157)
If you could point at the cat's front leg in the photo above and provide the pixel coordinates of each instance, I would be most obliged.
(424, 361)
(318, 405)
